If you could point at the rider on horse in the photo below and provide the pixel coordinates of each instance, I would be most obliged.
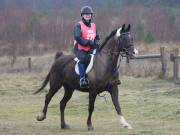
(86, 40)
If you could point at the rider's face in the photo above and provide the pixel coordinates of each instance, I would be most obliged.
(87, 17)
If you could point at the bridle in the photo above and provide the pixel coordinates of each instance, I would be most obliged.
(122, 50)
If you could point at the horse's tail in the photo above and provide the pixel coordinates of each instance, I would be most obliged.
(44, 84)
(58, 54)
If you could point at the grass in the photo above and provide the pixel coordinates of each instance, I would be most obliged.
(151, 105)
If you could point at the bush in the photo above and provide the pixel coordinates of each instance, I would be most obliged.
(149, 38)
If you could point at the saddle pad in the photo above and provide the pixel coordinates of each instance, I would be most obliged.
(89, 67)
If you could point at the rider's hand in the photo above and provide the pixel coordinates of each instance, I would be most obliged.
(91, 43)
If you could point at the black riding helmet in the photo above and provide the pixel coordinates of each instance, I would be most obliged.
(86, 10)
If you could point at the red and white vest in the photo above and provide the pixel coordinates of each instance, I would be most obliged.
(88, 33)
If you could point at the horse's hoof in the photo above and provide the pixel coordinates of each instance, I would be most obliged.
(128, 126)
(90, 128)
(65, 126)
(41, 117)
(124, 123)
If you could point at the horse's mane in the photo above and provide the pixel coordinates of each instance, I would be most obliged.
(107, 39)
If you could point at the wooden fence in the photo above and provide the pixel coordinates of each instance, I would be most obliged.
(160, 56)
(175, 57)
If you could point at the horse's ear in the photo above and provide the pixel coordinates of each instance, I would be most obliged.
(128, 28)
(123, 28)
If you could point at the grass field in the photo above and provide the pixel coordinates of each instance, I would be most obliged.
(150, 105)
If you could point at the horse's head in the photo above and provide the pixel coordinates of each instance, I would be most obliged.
(124, 41)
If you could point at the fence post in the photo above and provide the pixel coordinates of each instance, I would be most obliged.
(13, 60)
(163, 61)
(29, 64)
(175, 72)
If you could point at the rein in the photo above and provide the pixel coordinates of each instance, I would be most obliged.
(122, 53)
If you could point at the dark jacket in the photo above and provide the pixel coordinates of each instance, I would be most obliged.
(78, 35)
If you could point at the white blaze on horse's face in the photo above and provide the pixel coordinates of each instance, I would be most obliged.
(118, 33)
(136, 51)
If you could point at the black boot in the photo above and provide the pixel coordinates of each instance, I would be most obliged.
(84, 83)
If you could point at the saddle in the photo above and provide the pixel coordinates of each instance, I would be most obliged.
(89, 66)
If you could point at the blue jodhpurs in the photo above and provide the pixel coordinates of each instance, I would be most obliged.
(83, 57)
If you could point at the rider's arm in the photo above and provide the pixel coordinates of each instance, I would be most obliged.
(78, 35)
(97, 40)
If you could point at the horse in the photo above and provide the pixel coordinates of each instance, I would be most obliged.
(118, 43)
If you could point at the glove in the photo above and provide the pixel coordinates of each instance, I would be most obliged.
(92, 44)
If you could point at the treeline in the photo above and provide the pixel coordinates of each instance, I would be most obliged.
(36, 26)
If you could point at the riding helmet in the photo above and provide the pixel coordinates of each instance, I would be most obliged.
(86, 10)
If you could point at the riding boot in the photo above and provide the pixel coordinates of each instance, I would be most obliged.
(84, 83)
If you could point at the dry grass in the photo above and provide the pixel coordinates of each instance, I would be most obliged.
(154, 47)
(137, 68)
(150, 67)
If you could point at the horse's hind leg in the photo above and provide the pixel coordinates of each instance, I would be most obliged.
(55, 85)
(67, 96)
(114, 96)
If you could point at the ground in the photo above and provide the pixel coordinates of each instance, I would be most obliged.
(150, 105)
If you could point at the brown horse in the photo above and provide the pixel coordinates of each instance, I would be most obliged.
(105, 68)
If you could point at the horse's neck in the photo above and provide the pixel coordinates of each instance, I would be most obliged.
(109, 54)
(110, 51)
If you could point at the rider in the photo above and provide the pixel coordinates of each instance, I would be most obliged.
(86, 40)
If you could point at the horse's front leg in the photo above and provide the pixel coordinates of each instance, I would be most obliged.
(92, 98)
(115, 100)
